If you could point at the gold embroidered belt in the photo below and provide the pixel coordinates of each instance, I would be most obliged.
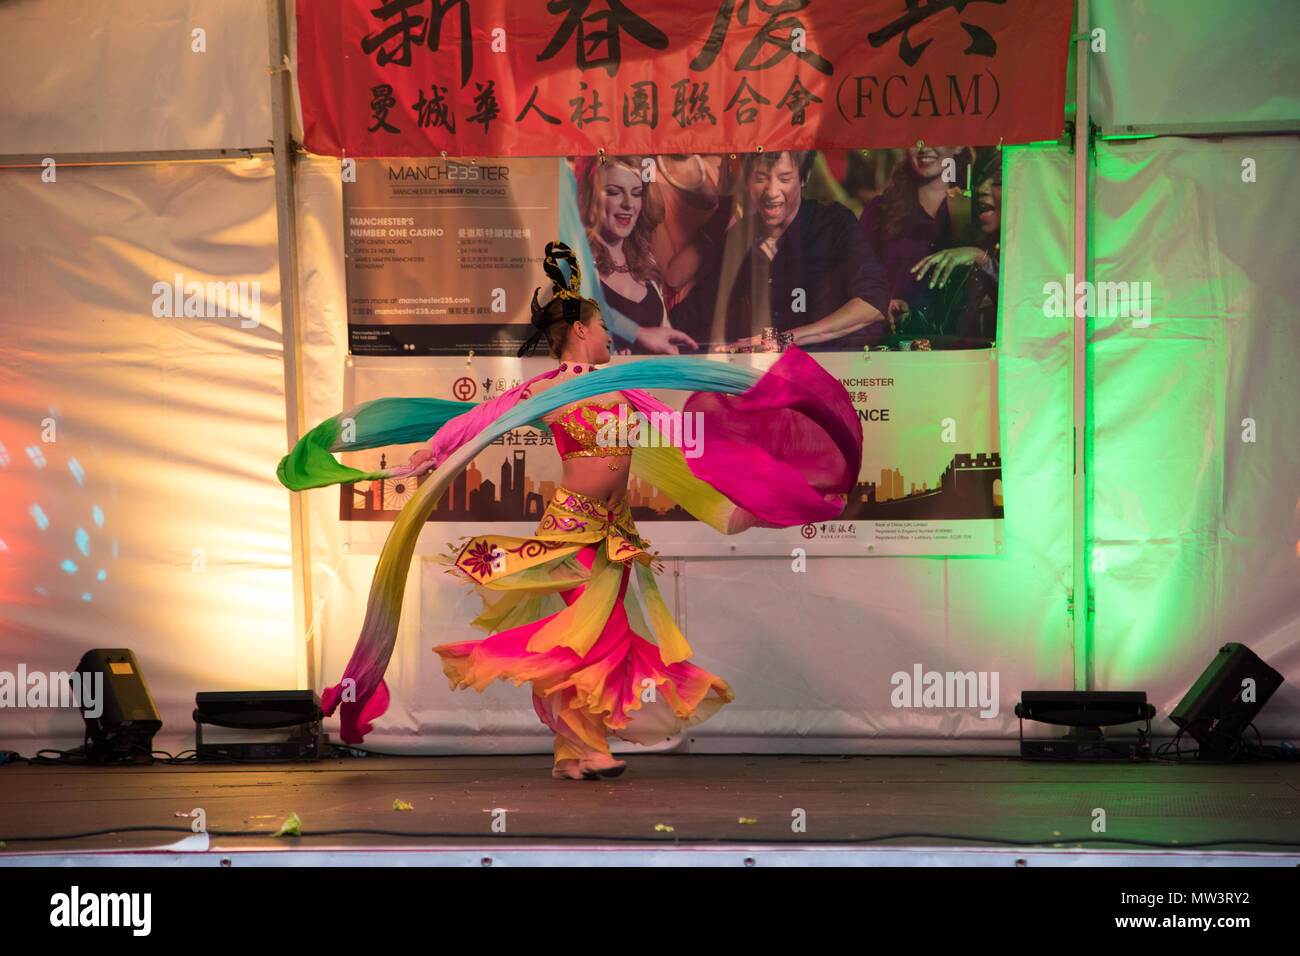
(571, 521)
(520, 568)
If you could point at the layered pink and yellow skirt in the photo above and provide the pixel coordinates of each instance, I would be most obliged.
(604, 658)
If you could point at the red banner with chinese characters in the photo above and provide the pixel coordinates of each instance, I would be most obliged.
(571, 77)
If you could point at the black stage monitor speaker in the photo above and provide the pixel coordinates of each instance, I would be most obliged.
(1224, 701)
(1085, 712)
(259, 725)
(121, 726)
(1084, 708)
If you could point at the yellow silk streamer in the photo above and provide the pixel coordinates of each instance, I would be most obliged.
(664, 466)
(671, 641)
(579, 625)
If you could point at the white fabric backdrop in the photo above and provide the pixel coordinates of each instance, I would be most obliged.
(1199, 531)
(1195, 61)
(126, 75)
(809, 655)
(178, 424)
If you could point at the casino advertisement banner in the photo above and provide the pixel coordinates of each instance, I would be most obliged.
(930, 484)
(839, 250)
(576, 77)
(443, 257)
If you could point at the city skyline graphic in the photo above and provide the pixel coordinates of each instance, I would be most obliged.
(970, 487)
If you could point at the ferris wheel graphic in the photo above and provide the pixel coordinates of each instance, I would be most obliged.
(396, 492)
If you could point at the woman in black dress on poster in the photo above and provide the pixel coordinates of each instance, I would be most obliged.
(621, 213)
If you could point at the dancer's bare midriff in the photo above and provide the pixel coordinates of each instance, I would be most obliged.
(594, 477)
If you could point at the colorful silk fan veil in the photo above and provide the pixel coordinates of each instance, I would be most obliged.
(777, 449)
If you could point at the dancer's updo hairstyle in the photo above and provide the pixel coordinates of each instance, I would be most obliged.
(566, 304)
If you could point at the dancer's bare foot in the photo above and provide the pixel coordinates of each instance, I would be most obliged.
(571, 769)
(603, 764)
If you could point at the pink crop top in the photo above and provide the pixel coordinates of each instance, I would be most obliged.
(577, 429)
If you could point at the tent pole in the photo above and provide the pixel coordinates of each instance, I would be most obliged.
(295, 410)
(1081, 598)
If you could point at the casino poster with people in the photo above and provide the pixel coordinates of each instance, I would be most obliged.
(882, 264)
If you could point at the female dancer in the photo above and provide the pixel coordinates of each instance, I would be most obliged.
(780, 448)
(621, 685)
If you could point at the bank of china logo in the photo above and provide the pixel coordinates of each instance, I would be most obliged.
(809, 531)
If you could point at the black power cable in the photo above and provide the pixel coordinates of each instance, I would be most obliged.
(623, 838)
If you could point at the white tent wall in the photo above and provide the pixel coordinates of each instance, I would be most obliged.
(1196, 464)
(169, 421)
(191, 413)
(166, 425)
(1209, 64)
(123, 75)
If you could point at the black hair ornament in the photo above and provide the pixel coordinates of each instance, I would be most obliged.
(567, 290)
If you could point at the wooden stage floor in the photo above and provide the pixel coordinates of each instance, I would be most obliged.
(849, 802)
